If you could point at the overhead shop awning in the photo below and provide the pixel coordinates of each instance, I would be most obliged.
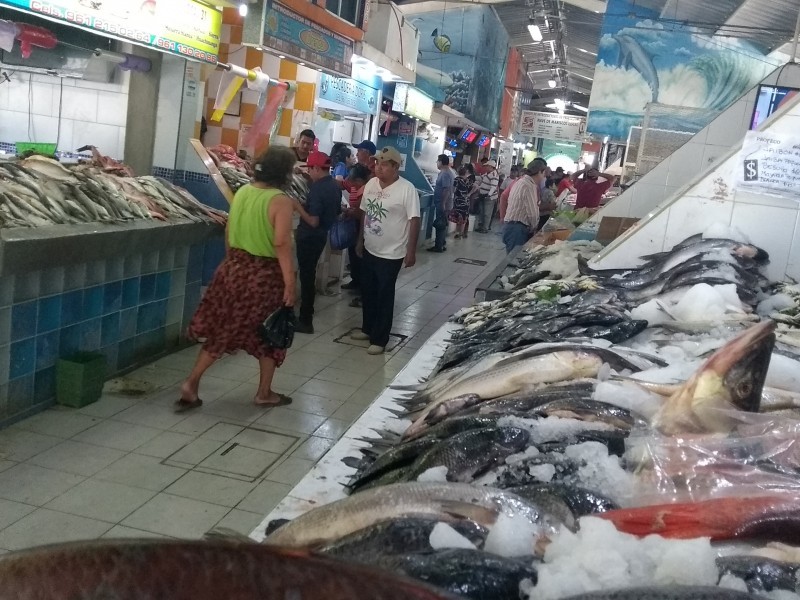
(187, 28)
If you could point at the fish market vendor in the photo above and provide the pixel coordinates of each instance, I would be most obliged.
(256, 278)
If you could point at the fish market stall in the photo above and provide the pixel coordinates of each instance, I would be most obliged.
(626, 433)
(92, 259)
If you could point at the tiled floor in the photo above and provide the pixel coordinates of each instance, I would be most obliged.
(127, 466)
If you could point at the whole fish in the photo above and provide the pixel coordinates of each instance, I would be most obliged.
(731, 379)
(470, 454)
(445, 501)
(194, 570)
(670, 592)
(775, 518)
(580, 501)
(399, 536)
(394, 458)
(761, 574)
(466, 573)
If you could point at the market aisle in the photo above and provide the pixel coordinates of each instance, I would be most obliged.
(129, 466)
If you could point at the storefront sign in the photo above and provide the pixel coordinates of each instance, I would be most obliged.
(188, 28)
(350, 93)
(411, 101)
(552, 126)
(770, 163)
(293, 34)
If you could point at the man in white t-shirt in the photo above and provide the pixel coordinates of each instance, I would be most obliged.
(388, 239)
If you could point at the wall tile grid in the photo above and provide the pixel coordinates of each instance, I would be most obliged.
(129, 309)
(70, 112)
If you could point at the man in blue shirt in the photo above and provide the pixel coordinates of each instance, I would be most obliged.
(316, 218)
(442, 201)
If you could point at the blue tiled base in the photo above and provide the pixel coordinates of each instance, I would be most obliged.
(132, 319)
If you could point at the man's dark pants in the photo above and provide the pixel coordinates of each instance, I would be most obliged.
(378, 280)
(309, 249)
(440, 225)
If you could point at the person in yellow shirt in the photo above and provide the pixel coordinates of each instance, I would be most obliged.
(256, 278)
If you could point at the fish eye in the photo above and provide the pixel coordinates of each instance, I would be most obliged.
(745, 388)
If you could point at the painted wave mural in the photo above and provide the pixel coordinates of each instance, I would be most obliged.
(462, 59)
(643, 61)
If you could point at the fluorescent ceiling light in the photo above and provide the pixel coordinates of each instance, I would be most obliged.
(243, 9)
(536, 33)
(559, 103)
(561, 111)
(581, 108)
(551, 82)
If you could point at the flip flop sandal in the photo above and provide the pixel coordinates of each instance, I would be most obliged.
(284, 401)
(182, 406)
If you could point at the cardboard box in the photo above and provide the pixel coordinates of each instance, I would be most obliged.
(613, 227)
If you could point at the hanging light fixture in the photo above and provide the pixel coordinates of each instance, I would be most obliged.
(551, 82)
(243, 9)
(536, 33)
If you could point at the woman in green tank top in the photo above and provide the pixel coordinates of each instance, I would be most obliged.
(256, 278)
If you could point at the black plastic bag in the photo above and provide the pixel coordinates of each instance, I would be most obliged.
(277, 330)
(343, 234)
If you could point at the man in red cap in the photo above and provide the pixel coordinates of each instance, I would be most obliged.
(322, 208)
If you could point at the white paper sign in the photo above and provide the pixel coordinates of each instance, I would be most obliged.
(552, 126)
(770, 163)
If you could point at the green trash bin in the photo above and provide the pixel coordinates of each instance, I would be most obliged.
(80, 379)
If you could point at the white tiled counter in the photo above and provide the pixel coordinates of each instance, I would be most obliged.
(325, 482)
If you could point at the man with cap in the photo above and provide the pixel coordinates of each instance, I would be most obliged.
(365, 155)
(316, 218)
(388, 239)
(490, 182)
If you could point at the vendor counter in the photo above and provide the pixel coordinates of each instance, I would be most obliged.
(126, 291)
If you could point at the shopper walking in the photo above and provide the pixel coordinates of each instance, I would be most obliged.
(388, 239)
(442, 202)
(322, 209)
(488, 197)
(463, 187)
(256, 278)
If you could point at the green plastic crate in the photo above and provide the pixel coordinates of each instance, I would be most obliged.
(80, 379)
(36, 147)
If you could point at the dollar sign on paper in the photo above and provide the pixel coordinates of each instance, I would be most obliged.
(750, 170)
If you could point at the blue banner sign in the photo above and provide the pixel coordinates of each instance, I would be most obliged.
(349, 93)
(293, 34)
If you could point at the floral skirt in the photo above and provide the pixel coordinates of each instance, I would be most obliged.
(244, 291)
(460, 212)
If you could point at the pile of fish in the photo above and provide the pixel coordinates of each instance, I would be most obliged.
(556, 261)
(234, 177)
(559, 432)
(40, 191)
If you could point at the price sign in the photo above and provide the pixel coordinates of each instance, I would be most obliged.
(770, 163)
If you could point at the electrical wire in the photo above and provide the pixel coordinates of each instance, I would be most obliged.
(60, 105)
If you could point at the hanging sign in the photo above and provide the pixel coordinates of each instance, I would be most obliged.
(552, 126)
(411, 101)
(188, 28)
(349, 92)
(770, 163)
(291, 33)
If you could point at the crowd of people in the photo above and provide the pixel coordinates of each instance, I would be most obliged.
(257, 276)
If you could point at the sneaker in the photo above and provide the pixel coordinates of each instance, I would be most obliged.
(359, 335)
(351, 286)
(302, 327)
(435, 249)
(373, 349)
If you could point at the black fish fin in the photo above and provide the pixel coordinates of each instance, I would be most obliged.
(352, 462)
(465, 510)
(583, 266)
(224, 533)
(654, 257)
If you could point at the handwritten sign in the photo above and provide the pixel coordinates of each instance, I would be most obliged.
(552, 126)
(770, 163)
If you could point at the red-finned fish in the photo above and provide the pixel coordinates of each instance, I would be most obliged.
(731, 379)
(194, 570)
(776, 518)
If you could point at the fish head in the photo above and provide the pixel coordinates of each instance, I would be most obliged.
(731, 379)
(752, 252)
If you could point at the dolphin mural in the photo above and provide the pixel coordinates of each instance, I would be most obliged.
(633, 55)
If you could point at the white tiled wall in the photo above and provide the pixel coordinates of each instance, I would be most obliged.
(770, 222)
(701, 151)
(39, 108)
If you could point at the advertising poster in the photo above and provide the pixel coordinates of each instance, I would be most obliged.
(552, 126)
(641, 60)
(185, 27)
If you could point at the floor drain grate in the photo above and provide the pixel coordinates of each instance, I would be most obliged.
(472, 261)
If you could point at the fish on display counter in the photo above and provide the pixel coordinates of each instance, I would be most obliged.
(40, 191)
